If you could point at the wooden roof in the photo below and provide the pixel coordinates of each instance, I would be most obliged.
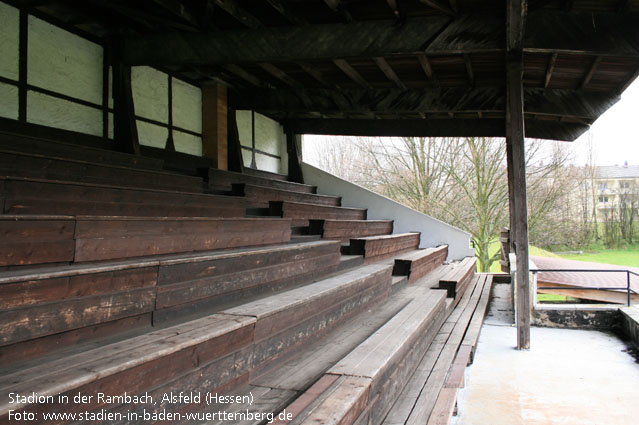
(380, 67)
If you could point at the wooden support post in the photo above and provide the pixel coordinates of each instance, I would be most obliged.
(124, 123)
(215, 124)
(294, 150)
(234, 157)
(517, 163)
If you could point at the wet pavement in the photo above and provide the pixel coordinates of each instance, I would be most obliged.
(567, 377)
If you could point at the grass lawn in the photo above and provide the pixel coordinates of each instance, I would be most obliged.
(620, 257)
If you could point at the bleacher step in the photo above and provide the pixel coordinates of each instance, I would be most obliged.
(345, 230)
(376, 248)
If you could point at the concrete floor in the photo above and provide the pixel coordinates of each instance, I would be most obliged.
(568, 377)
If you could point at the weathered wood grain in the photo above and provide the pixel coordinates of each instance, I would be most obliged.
(223, 180)
(345, 230)
(301, 213)
(419, 263)
(259, 196)
(375, 248)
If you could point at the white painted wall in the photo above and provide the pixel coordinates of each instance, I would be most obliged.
(433, 232)
(9, 36)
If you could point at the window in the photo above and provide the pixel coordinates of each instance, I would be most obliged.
(603, 198)
(603, 186)
(624, 185)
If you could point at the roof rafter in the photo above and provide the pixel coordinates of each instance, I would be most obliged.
(351, 72)
(388, 72)
(238, 12)
(286, 12)
(549, 69)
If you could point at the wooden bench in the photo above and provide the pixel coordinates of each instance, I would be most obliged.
(366, 381)
(198, 356)
(428, 396)
(223, 180)
(61, 148)
(344, 230)
(40, 240)
(301, 213)
(18, 164)
(375, 248)
(204, 355)
(292, 318)
(416, 264)
(33, 196)
(456, 280)
(259, 196)
(39, 308)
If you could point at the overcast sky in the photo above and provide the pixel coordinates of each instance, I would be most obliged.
(615, 134)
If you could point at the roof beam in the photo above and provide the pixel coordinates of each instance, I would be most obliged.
(469, 69)
(337, 7)
(279, 74)
(238, 12)
(240, 72)
(313, 72)
(549, 69)
(351, 72)
(433, 128)
(388, 72)
(591, 72)
(178, 10)
(437, 5)
(425, 64)
(581, 105)
(613, 35)
(286, 12)
(395, 7)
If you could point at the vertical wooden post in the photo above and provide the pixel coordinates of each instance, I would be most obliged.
(516, 158)
(293, 149)
(517, 163)
(125, 131)
(215, 124)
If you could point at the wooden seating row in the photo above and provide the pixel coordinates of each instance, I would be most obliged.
(44, 307)
(301, 213)
(456, 280)
(345, 230)
(65, 239)
(59, 146)
(37, 196)
(203, 355)
(427, 396)
(223, 180)
(259, 196)
(418, 263)
(18, 164)
(375, 248)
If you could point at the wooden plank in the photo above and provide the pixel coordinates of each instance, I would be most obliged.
(474, 328)
(301, 213)
(406, 402)
(455, 377)
(419, 263)
(144, 366)
(56, 143)
(344, 230)
(283, 310)
(375, 248)
(30, 291)
(259, 196)
(19, 164)
(35, 241)
(36, 348)
(310, 395)
(46, 319)
(444, 407)
(349, 395)
(427, 399)
(101, 239)
(222, 179)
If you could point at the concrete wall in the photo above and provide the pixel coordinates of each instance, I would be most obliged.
(433, 232)
(269, 138)
(630, 323)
